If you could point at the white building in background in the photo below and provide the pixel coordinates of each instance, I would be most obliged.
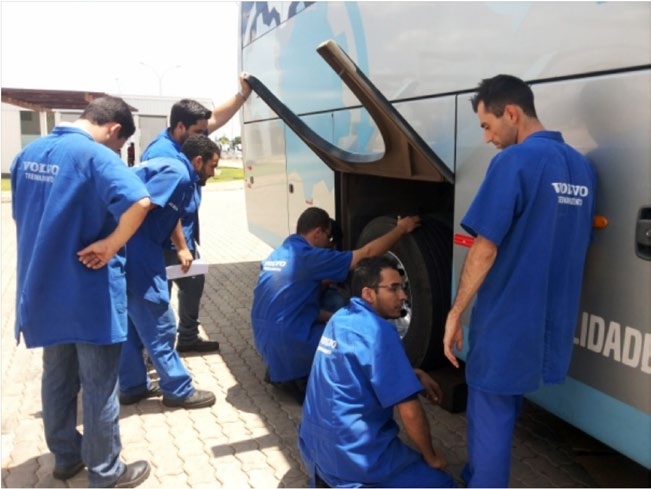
(29, 114)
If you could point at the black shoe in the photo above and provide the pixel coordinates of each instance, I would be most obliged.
(153, 391)
(199, 399)
(134, 475)
(63, 473)
(200, 345)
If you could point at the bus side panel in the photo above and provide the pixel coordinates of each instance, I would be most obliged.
(265, 177)
(607, 119)
(311, 182)
(415, 49)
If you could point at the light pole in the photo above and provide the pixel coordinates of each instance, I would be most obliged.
(160, 76)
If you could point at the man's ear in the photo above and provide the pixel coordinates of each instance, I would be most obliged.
(197, 161)
(368, 294)
(114, 129)
(512, 112)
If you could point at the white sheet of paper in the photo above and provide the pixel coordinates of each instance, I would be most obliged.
(199, 267)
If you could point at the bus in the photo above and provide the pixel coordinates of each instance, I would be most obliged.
(363, 109)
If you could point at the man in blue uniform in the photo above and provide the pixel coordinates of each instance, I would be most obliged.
(171, 182)
(190, 117)
(76, 204)
(287, 317)
(347, 436)
(532, 220)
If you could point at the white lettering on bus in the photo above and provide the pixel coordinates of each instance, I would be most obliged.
(627, 345)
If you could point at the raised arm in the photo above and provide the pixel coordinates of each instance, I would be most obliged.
(225, 111)
(381, 245)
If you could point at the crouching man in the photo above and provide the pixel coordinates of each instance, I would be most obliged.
(347, 436)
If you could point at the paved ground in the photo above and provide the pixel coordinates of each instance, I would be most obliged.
(248, 438)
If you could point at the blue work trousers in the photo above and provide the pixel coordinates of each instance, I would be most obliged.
(93, 368)
(152, 326)
(189, 294)
(491, 421)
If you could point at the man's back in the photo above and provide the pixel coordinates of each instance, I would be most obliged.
(536, 204)
(68, 191)
(286, 304)
(171, 183)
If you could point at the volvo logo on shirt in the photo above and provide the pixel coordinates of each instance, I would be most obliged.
(40, 171)
(569, 194)
(273, 265)
(326, 345)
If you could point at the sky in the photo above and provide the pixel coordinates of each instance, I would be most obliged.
(184, 49)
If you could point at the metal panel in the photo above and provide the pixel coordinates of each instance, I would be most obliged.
(266, 180)
(430, 48)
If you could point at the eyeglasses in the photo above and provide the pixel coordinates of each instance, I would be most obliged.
(392, 288)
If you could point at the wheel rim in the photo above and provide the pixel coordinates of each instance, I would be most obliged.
(402, 324)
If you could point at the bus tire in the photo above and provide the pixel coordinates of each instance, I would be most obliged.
(425, 258)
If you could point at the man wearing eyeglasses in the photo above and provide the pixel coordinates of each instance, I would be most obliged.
(287, 316)
(348, 436)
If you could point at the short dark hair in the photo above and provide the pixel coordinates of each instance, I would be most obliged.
(501, 90)
(188, 112)
(312, 218)
(200, 145)
(107, 109)
(368, 273)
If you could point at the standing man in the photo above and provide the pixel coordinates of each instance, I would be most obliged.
(171, 183)
(76, 204)
(347, 436)
(531, 220)
(287, 316)
(190, 117)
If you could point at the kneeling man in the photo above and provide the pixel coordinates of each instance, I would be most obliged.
(348, 437)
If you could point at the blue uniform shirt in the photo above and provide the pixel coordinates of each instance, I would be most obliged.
(360, 372)
(163, 146)
(536, 204)
(69, 191)
(286, 304)
(171, 183)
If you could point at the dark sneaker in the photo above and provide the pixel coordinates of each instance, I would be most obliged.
(134, 475)
(200, 345)
(199, 399)
(153, 391)
(63, 473)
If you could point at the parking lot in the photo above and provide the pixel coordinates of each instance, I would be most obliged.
(249, 437)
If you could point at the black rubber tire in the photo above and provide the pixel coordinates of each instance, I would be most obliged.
(426, 255)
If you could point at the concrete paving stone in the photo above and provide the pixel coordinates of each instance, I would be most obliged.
(149, 408)
(262, 477)
(167, 462)
(252, 460)
(179, 480)
(230, 474)
(21, 476)
(140, 450)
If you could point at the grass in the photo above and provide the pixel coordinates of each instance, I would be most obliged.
(226, 175)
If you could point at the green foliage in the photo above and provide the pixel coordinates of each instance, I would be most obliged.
(227, 174)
